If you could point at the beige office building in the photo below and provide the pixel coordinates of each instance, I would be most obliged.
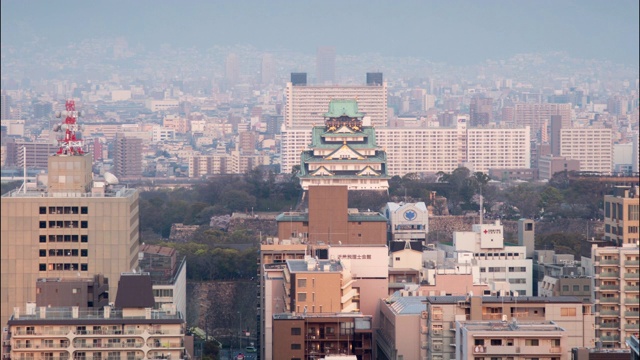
(593, 147)
(616, 293)
(74, 228)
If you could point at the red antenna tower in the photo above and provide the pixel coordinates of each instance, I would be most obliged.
(69, 143)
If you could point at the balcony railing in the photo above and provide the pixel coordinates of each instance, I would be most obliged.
(609, 325)
(632, 262)
(610, 261)
(609, 300)
(631, 326)
(632, 313)
(631, 300)
(609, 274)
(632, 276)
(609, 313)
(632, 288)
(609, 287)
(610, 338)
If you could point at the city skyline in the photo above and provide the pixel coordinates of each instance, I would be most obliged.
(455, 32)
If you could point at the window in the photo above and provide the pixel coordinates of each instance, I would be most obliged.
(296, 346)
(633, 229)
(84, 252)
(43, 252)
(567, 312)
(84, 210)
(497, 342)
(302, 283)
(43, 209)
(565, 287)
(43, 238)
(585, 288)
(84, 224)
(42, 267)
(302, 296)
(84, 238)
(633, 212)
(532, 342)
(84, 267)
(296, 331)
(43, 224)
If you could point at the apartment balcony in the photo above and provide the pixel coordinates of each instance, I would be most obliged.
(631, 301)
(634, 263)
(610, 338)
(512, 350)
(632, 276)
(609, 313)
(635, 314)
(609, 300)
(632, 288)
(632, 327)
(609, 262)
(608, 275)
(609, 287)
(609, 325)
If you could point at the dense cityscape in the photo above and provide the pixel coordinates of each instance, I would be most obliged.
(243, 200)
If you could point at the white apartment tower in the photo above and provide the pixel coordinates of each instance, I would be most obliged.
(592, 146)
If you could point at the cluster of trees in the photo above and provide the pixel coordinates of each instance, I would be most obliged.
(256, 190)
(562, 197)
(214, 254)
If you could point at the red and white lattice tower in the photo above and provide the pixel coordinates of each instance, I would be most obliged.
(70, 143)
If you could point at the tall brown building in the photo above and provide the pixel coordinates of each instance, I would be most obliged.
(127, 157)
(480, 111)
(535, 115)
(329, 221)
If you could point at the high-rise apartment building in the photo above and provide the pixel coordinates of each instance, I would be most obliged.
(267, 69)
(534, 115)
(326, 65)
(480, 111)
(5, 106)
(232, 69)
(593, 147)
(127, 157)
(557, 123)
(617, 282)
(305, 105)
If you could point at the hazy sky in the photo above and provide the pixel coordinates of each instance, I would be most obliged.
(454, 31)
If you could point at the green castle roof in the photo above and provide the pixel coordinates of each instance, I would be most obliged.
(338, 108)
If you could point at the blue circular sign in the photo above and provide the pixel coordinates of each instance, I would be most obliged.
(410, 215)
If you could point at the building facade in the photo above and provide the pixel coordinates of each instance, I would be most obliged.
(593, 147)
(75, 226)
(621, 216)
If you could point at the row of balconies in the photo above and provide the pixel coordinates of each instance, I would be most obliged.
(509, 350)
(83, 333)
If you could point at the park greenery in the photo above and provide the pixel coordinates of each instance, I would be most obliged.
(230, 255)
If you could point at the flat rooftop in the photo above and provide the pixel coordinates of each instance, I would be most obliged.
(117, 192)
(318, 266)
(505, 299)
